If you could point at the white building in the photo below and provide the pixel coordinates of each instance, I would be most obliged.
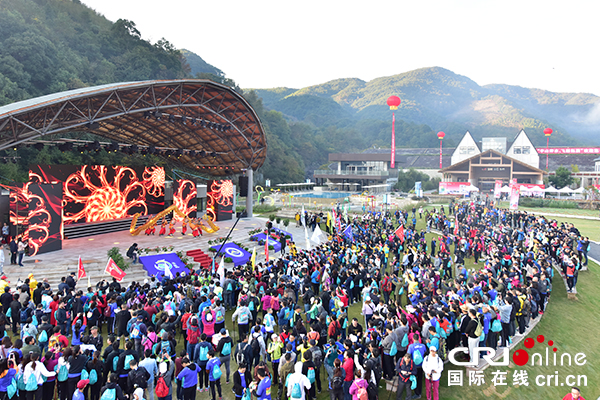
(467, 148)
(523, 150)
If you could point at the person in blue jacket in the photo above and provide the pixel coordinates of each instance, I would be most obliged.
(419, 347)
(215, 381)
(189, 375)
(263, 389)
(7, 373)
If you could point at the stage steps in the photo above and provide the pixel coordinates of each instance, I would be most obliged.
(200, 257)
(74, 231)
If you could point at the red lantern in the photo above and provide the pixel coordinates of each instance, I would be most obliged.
(393, 102)
(547, 131)
(441, 135)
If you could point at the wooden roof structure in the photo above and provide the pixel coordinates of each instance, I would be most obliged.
(196, 123)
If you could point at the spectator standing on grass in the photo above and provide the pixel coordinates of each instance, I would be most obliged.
(574, 395)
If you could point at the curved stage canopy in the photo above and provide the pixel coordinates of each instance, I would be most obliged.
(200, 123)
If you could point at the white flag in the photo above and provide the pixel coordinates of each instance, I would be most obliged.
(306, 237)
(316, 236)
(302, 217)
(221, 271)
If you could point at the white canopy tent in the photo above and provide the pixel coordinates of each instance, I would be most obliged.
(551, 189)
(505, 189)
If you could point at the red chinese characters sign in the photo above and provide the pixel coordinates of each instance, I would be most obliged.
(569, 150)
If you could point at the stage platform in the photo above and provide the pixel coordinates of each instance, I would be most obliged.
(93, 251)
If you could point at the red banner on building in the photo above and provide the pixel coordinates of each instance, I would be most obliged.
(569, 150)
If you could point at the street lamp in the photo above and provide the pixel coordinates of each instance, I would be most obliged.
(547, 133)
(393, 102)
(440, 136)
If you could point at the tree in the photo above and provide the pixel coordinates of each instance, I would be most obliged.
(561, 178)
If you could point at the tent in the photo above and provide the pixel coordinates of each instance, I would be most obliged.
(505, 189)
(550, 189)
(566, 189)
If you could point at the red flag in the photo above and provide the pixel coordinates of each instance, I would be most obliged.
(456, 228)
(113, 270)
(80, 269)
(267, 247)
(400, 232)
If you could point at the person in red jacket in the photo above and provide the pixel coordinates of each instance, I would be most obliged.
(574, 395)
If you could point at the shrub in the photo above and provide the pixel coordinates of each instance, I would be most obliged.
(115, 254)
(271, 247)
(228, 260)
(278, 220)
(549, 203)
(212, 249)
(272, 217)
(286, 222)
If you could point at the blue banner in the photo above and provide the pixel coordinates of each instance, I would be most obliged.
(261, 237)
(158, 265)
(238, 255)
(348, 232)
(282, 232)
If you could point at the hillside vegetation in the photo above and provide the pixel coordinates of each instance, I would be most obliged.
(450, 102)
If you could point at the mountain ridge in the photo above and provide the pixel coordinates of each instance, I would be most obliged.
(444, 100)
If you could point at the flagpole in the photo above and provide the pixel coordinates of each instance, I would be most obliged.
(227, 237)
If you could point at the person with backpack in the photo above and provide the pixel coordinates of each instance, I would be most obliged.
(137, 331)
(275, 350)
(112, 391)
(262, 390)
(123, 363)
(77, 363)
(213, 369)
(189, 377)
(406, 369)
(336, 381)
(138, 377)
(310, 370)
(224, 348)
(243, 351)
(390, 349)
(164, 379)
(50, 360)
(432, 368)
(241, 381)
(358, 388)
(81, 385)
(417, 352)
(243, 316)
(33, 377)
(95, 368)
(348, 365)
(203, 349)
(473, 333)
(257, 344)
(149, 364)
(297, 384)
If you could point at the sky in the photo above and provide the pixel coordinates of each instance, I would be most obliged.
(277, 43)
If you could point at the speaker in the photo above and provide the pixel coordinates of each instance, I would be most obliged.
(243, 186)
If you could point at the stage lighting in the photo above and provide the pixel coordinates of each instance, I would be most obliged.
(204, 123)
(81, 149)
(95, 145)
(213, 154)
(168, 153)
(194, 121)
(133, 149)
(39, 146)
(202, 153)
(171, 118)
(157, 115)
(192, 153)
(93, 125)
(147, 114)
(151, 150)
(114, 147)
(183, 120)
(178, 153)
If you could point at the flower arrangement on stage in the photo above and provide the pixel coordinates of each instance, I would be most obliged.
(158, 249)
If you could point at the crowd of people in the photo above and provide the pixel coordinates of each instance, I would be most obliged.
(293, 329)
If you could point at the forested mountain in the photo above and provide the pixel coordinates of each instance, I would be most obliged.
(48, 46)
(447, 101)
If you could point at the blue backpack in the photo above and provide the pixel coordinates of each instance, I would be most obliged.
(93, 377)
(109, 394)
(216, 372)
(296, 391)
(417, 357)
(128, 358)
(226, 350)
(43, 337)
(31, 384)
(404, 342)
(203, 353)
(394, 349)
(11, 389)
(63, 373)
